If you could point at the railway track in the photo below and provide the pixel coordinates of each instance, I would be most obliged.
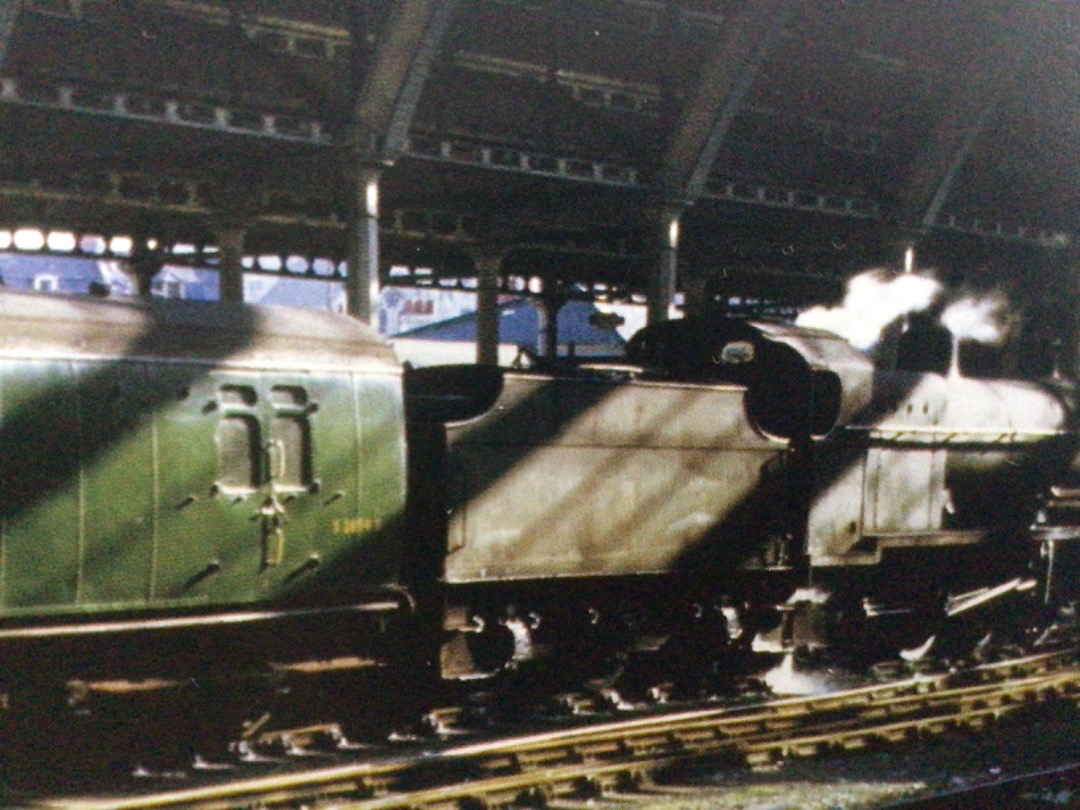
(590, 761)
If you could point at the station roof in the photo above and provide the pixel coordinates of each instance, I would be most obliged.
(802, 141)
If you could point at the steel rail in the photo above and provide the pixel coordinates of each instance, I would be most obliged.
(620, 754)
(586, 779)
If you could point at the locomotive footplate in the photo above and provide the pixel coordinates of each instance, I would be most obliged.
(1055, 534)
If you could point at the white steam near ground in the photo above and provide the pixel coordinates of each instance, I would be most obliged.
(877, 298)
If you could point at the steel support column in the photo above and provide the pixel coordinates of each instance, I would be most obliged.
(696, 295)
(725, 80)
(362, 279)
(664, 227)
(386, 92)
(230, 239)
(487, 309)
(389, 88)
(144, 264)
(9, 12)
(1067, 361)
(548, 339)
(703, 125)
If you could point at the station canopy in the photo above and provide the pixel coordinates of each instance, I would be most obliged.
(794, 142)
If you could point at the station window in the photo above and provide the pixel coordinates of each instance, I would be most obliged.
(46, 282)
(169, 288)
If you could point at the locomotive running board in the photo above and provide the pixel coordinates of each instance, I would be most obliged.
(1055, 534)
(184, 622)
(963, 602)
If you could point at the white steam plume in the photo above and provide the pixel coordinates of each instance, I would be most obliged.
(874, 299)
(980, 319)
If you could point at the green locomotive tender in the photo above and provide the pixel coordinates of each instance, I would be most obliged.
(168, 464)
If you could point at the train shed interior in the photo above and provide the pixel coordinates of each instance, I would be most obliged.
(845, 446)
(752, 155)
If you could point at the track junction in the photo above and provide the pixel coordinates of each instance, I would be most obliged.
(592, 760)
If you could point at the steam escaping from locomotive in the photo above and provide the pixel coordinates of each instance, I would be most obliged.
(879, 298)
(874, 299)
(982, 319)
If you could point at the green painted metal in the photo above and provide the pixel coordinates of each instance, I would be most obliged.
(41, 521)
(146, 481)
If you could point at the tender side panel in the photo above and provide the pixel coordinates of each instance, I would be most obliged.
(905, 490)
(117, 405)
(313, 473)
(575, 477)
(190, 531)
(935, 461)
(834, 521)
(881, 478)
(272, 496)
(227, 503)
(133, 485)
(40, 469)
(382, 479)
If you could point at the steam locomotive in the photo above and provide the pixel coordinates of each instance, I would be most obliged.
(277, 481)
